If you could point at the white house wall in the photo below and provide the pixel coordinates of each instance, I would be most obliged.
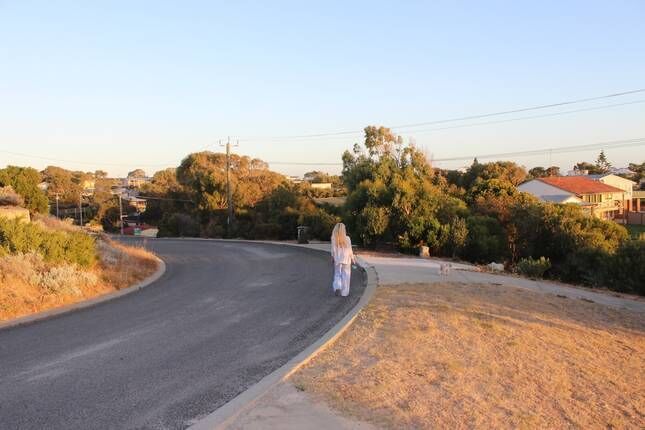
(618, 182)
(539, 188)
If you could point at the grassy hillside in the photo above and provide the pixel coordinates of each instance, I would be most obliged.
(47, 263)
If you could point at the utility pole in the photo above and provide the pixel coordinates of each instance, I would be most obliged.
(229, 191)
(57, 198)
(80, 208)
(121, 214)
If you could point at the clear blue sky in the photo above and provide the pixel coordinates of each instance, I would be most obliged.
(123, 84)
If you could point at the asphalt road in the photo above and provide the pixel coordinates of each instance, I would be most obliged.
(223, 316)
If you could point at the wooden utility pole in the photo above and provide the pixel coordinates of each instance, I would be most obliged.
(80, 208)
(229, 191)
(121, 214)
(57, 198)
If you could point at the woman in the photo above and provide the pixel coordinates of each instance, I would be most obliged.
(343, 256)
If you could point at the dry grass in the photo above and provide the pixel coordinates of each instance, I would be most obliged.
(29, 285)
(484, 356)
(53, 223)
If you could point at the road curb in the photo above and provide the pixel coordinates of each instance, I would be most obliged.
(226, 413)
(51, 313)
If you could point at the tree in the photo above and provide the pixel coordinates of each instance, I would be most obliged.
(591, 168)
(503, 170)
(639, 171)
(553, 171)
(538, 172)
(62, 183)
(393, 196)
(541, 172)
(602, 163)
(137, 173)
(24, 181)
(458, 235)
(100, 174)
(167, 196)
(204, 175)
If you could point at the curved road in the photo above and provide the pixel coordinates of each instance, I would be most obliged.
(223, 316)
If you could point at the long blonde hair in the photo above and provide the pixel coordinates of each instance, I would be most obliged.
(339, 236)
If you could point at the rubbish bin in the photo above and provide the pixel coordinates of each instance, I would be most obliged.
(302, 234)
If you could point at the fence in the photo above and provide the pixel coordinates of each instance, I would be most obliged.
(636, 218)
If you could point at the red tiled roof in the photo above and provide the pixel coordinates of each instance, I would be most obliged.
(579, 185)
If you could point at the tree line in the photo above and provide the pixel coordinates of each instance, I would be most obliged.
(395, 199)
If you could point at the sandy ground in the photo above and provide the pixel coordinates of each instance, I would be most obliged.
(454, 355)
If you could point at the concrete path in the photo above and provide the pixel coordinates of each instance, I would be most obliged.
(222, 317)
(401, 270)
(284, 406)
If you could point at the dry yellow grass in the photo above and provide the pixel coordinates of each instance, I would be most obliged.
(483, 356)
(29, 285)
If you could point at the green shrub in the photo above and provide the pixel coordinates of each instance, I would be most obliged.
(55, 246)
(627, 268)
(178, 225)
(586, 266)
(533, 268)
(9, 197)
(320, 224)
(486, 240)
(266, 231)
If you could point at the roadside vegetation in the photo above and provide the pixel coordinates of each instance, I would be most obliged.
(483, 356)
(48, 263)
(390, 197)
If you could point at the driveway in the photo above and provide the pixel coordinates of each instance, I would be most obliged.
(223, 316)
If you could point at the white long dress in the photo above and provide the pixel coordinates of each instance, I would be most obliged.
(342, 266)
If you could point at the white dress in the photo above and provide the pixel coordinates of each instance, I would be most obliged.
(342, 266)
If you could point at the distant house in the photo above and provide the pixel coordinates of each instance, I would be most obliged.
(619, 182)
(599, 199)
(135, 202)
(135, 181)
(88, 186)
(321, 186)
(294, 179)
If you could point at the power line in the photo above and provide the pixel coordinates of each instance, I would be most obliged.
(343, 134)
(529, 117)
(430, 130)
(564, 149)
(87, 163)
(560, 150)
(463, 118)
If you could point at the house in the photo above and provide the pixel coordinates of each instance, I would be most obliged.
(321, 186)
(88, 186)
(616, 181)
(599, 199)
(135, 202)
(135, 181)
(293, 179)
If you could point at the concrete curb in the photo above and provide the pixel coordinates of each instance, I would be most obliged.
(41, 316)
(226, 413)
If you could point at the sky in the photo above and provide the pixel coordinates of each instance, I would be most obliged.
(119, 85)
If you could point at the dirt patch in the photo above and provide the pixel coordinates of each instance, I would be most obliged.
(484, 356)
(28, 284)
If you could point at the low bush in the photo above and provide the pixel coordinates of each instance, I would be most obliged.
(9, 197)
(533, 268)
(626, 268)
(55, 246)
(178, 225)
(587, 266)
